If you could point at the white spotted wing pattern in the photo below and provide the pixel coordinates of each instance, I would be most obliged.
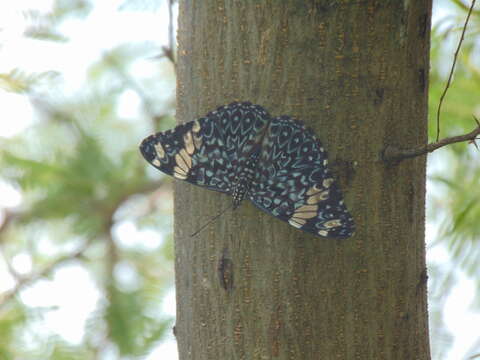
(277, 163)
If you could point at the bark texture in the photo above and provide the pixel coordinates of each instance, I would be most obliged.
(253, 287)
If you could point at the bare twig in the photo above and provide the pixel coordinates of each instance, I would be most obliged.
(169, 51)
(14, 273)
(453, 68)
(171, 39)
(8, 217)
(394, 154)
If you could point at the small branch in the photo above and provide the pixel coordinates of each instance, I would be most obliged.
(394, 154)
(168, 51)
(10, 267)
(452, 68)
(8, 218)
(171, 38)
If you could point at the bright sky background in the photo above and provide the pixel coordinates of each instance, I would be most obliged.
(71, 289)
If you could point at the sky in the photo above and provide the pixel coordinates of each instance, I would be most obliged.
(88, 41)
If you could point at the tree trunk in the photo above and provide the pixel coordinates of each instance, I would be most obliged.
(253, 287)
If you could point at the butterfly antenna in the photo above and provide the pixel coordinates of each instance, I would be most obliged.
(212, 220)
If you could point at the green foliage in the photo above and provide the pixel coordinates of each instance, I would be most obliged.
(131, 327)
(438, 292)
(460, 228)
(459, 205)
(82, 183)
(457, 110)
(81, 178)
(454, 198)
(19, 81)
(11, 323)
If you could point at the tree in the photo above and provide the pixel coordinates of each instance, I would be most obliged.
(358, 74)
(80, 130)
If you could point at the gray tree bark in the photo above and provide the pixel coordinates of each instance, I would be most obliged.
(253, 287)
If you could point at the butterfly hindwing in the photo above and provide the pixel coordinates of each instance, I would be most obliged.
(207, 151)
(294, 184)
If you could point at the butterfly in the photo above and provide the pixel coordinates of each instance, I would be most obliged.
(275, 162)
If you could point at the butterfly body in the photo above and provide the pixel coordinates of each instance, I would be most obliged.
(244, 177)
(277, 163)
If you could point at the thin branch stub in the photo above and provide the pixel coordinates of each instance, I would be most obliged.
(395, 154)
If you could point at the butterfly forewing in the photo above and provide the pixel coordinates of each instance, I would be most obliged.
(294, 184)
(208, 151)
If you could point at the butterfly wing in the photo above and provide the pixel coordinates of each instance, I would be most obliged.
(206, 151)
(294, 184)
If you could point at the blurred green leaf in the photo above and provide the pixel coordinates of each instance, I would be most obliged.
(130, 328)
(19, 81)
(81, 177)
